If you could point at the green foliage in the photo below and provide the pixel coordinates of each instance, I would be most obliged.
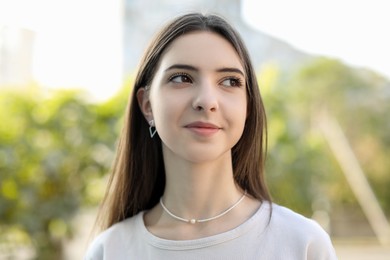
(294, 150)
(301, 168)
(54, 151)
(359, 99)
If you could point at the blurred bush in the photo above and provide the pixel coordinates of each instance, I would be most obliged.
(54, 151)
(302, 171)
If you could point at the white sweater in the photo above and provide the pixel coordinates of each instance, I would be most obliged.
(287, 235)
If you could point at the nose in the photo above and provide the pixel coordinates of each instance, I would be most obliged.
(205, 97)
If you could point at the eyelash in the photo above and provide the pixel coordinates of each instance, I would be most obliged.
(175, 75)
(239, 81)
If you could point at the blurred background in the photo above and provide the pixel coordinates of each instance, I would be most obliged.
(66, 70)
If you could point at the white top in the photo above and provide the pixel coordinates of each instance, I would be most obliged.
(287, 235)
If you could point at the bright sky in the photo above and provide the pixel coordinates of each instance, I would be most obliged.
(355, 31)
(79, 42)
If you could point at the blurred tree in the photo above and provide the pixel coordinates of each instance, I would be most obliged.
(53, 153)
(294, 150)
(360, 100)
(300, 167)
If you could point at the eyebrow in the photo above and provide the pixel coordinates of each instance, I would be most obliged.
(182, 66)
(235, 70)
(189, 67)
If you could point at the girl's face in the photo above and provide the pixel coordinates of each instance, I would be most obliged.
(197, 98)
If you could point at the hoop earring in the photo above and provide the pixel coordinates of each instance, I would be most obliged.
(152, 128)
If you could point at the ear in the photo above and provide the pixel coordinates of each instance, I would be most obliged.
(144, 103)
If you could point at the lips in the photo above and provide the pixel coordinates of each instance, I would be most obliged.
(202, 125)
(203, 128)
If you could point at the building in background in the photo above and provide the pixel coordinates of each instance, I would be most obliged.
(16, 55)
(144, 17)
(98, 53)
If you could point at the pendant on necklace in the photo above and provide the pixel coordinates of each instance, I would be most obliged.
(193, 221)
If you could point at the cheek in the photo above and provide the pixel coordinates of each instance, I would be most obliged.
(240, 105)
(166, 110)
(241, 116)
(241, 121)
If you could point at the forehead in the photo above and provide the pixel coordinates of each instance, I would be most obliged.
(203, 49)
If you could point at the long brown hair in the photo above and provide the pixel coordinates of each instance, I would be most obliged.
(138, 176)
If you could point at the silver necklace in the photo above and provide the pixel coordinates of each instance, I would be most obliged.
(193, 221)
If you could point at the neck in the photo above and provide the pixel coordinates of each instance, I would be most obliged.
(199, 190)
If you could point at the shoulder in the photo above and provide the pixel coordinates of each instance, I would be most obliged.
(301, 232)
(288, 219)
(113, 240)
(294, 224)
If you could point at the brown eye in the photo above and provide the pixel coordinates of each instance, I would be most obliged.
(180, 78)
(232, 82)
